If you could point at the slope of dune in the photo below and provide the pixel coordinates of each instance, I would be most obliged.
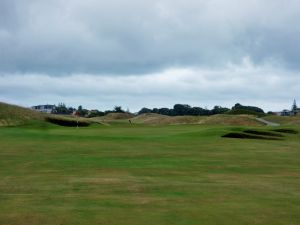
(234, 120)
(12, 115)
(284, 120)
(114, 116)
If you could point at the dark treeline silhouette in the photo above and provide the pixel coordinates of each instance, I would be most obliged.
(250, 108)
(61, 108)
(185, 110)
(177, 110)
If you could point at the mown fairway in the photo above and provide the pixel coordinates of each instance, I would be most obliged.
(146, 175)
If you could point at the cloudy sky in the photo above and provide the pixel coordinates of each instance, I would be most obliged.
(156, 53)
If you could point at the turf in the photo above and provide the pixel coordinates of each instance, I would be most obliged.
(138, 174)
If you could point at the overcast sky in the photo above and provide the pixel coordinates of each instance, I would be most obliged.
(156, 53)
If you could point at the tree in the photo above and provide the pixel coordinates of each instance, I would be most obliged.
(219, 110)
(61, 109)
(81, 111)
(249, 108)
(144, 110)
(95, 113)
(195, 111)
(155, 110)
(181, 109)
(118, 109)
(164, 111)
(71, 110)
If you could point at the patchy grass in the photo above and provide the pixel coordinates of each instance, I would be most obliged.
(114, 116)
(233, 120)
(11, 115)
(137, 174)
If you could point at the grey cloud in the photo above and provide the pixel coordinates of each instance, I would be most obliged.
(246, 83)
(125, 37)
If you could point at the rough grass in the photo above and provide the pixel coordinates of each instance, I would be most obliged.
(11, 115)
(156, 119)
(155, 175)
(232, 120)
(284, 120)
(114, 116)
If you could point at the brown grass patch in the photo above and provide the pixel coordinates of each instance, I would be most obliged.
(114, 116)
(231, 120)
(12, 115)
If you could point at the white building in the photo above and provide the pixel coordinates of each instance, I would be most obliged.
(294, 111)
(286, 113)
(44, 108)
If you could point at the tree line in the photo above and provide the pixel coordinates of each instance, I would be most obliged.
(61, 108)
(185, 110)
(177, 110)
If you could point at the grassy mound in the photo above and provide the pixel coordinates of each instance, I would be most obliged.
(114, 116)
(12, 115)
(284, 120)
(158, 119)
(231, 120)
(234, 120)
(152, 118)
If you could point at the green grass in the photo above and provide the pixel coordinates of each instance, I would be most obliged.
(137, 174)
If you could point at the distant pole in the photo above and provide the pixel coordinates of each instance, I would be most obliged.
(294, 108)
(76, 115)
